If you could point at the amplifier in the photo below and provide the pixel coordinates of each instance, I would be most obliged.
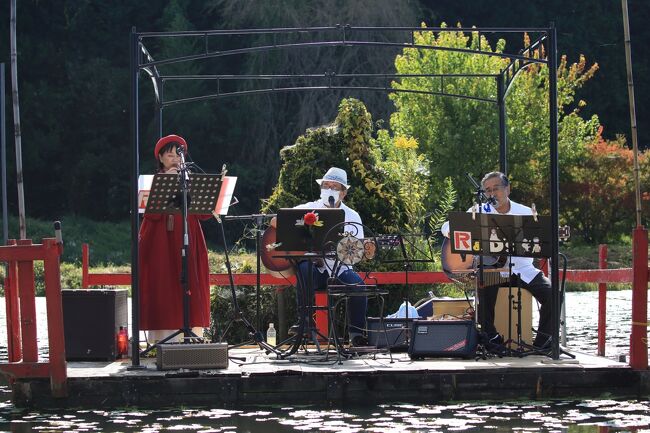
(395, 331)
(443, 338)
(196, 356)
(91, 321)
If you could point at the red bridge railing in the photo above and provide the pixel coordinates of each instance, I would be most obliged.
(601, 276)
(21, 313)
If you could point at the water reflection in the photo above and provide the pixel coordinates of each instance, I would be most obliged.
(587, 416)
(566, 416)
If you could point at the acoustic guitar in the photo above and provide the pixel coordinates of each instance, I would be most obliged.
(454, 263)
(277, 266)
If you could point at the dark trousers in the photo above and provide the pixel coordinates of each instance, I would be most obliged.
(539, 287)
(357, 305)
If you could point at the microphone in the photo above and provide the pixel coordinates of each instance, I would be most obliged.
(330, 200)
(490, 199)
(180, 150)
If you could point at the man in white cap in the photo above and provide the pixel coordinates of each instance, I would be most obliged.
(334, 187)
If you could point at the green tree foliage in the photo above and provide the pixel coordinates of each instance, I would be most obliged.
(348, 143)
(460, 136)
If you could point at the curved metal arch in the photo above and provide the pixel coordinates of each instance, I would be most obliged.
(343, 43)
(340, 28)
(153, 73)
(308, 88)
(329, 76)
(511, 71)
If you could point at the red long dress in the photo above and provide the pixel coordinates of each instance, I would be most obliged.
(161, 295)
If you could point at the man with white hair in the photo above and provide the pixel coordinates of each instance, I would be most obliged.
(497, 187)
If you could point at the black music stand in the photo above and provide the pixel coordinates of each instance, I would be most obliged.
(410, 253)
(492, 235)
(186, 194)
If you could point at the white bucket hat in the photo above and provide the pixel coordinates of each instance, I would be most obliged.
(335, 174)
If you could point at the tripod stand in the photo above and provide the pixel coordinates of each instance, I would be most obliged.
(238, 315)
(411, 254)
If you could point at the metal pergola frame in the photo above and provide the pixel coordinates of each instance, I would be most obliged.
(342, 36)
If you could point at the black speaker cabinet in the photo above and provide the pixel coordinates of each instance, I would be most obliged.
(443, 338)
(395, 332)
(91, 321)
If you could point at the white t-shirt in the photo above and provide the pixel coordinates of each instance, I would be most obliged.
(520, 265)
(351, 216)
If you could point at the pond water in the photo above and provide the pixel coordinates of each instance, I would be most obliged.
(547, 416)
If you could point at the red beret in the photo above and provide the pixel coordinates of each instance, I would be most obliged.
(169, 139)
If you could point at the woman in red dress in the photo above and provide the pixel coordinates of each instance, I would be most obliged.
(160, 243)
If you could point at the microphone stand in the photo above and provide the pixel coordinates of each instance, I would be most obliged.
(479, 199)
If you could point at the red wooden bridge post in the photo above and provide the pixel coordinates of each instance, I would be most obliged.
(639, 335)
(602, 301)
(14, 346)
(27, 306)
(56, 338)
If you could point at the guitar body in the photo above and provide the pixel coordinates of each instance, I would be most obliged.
(277, 266)
(454, 263)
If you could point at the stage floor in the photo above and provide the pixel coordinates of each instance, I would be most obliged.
(254, 378)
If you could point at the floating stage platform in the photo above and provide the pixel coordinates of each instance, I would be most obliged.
(254, 378)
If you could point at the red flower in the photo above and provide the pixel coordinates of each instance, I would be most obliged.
(310, 218)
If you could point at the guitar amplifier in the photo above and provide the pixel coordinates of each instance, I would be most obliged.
(196, 356)
(91, 321)
(395, 332)
(443, 338)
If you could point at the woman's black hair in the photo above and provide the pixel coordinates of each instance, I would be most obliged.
(166, 148)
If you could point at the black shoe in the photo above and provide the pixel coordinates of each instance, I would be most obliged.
(495, 340)
(495, 345)
(542, 343)
(293, 330)
(359, 341)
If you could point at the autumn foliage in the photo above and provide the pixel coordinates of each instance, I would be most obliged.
(598, 198)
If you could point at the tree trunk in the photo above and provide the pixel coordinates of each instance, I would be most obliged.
(17, 135)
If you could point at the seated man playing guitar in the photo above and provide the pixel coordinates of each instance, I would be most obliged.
(334, 188)
(497, 189)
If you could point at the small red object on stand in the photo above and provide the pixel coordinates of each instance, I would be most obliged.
(122, 342)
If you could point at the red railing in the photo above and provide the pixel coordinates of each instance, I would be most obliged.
(622, 275)
(21, 313)
(638, 276)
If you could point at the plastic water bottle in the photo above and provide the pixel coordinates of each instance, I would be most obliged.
(122, 342)
(270, 335)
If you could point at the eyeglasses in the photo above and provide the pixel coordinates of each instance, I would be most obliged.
(334, 187)
(494, 189)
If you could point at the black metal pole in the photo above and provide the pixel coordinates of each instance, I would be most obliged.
(159, 108)
(501, 105)
(258, 225)
(3, 151)
(555, 182)
(135, 222)
(184, 279)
